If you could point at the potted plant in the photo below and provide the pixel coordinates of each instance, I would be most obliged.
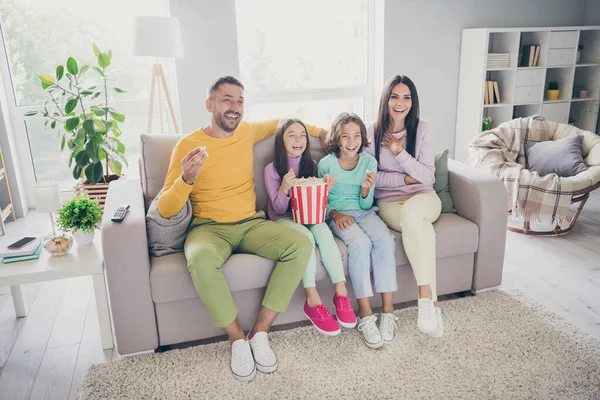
(87, 127)
(80, 215)
(486, 124)
(553, 91)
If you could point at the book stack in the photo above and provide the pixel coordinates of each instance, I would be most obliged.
(497, 60)
(29, 252)
(530, 55)
(492, 93)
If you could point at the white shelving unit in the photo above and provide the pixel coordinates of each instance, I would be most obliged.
(523, 89)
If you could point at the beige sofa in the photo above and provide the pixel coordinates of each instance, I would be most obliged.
(153, 301)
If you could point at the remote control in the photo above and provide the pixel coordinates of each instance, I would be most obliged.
(120, 213)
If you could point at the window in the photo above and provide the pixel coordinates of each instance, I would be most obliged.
(37, 36)
(295, 61)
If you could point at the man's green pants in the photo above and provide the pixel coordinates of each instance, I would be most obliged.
(209, 244)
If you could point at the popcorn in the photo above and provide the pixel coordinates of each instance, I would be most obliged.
(203, 148)
(309, 181)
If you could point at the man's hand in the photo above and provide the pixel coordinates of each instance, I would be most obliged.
(329, 180)
(342, 221)
(191, 164)
(395, 145)
(409, 180)
(288, 181)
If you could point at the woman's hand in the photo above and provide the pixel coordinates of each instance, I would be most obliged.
(396, 146)
(288, 181)
(342, 221)
(409, 180)
(329, 180)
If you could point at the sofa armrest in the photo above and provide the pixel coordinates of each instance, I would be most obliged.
(127, 268)
(481, 197)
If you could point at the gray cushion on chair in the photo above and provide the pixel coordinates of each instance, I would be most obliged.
(562, 157)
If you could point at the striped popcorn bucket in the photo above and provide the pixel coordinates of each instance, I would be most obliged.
(309, 203)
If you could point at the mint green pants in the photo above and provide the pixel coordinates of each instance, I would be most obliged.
(320, 235)
(209, 244)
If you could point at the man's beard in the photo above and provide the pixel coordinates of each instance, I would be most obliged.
(224, 124)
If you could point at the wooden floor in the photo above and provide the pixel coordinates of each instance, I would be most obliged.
(44, 355)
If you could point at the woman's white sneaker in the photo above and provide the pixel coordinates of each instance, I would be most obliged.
(438, 332)
(370, 333)
(266, 361)
(426, 321)
(387, 327)
(242, 362)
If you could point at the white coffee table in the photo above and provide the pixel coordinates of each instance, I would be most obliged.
(79, 261)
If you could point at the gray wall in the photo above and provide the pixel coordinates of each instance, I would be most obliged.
(209, 40)
(592, 12)
(422, 40)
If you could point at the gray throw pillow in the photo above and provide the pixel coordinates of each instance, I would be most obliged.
(561, 157)
(440, 185)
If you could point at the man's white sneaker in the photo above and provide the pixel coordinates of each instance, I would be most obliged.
(387, 327)
(370, 333)
(242, 362)
(264, 357)
(438, 332)
(426, 321)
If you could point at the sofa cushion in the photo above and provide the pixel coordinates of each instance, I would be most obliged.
(155, 155)
(170, 279)
(440, 185)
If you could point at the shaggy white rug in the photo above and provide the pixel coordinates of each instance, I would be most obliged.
(497, 345)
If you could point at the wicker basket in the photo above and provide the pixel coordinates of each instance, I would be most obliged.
(97, 191)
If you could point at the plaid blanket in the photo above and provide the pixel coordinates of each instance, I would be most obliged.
(544, 199)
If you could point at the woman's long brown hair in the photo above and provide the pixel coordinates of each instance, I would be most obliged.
(383, 118)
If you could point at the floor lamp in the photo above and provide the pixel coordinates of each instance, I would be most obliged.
(158, 37)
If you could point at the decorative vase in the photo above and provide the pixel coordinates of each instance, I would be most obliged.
(83, 238)
(552, 95)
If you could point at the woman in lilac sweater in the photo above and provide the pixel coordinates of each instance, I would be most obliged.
(403, 146)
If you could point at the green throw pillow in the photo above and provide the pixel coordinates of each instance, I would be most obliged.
(441, 182)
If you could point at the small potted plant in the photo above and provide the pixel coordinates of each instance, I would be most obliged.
(80, 215)
(486, 124)
(553, 91)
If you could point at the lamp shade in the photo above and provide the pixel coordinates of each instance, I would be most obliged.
(46, 196)
(157, 37)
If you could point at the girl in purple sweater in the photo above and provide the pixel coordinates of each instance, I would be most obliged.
(403, 146)
(292, 161)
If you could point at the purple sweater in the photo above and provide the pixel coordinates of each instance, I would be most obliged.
(279, 202)
(392, 169)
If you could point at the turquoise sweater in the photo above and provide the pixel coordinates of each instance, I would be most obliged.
(346, 195)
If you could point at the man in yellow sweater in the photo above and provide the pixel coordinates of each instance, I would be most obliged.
(221, 188)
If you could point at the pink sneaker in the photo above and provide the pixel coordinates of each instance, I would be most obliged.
(322, 320)
(344, 312)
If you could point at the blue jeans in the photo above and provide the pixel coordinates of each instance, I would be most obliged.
(371, 246)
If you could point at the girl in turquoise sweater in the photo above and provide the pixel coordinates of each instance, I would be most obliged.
(352, 217)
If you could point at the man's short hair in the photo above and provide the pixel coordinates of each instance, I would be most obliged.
(221, 81)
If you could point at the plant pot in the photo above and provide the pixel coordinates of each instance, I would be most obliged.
(83, 238)
(552, 95)
(97, 191)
